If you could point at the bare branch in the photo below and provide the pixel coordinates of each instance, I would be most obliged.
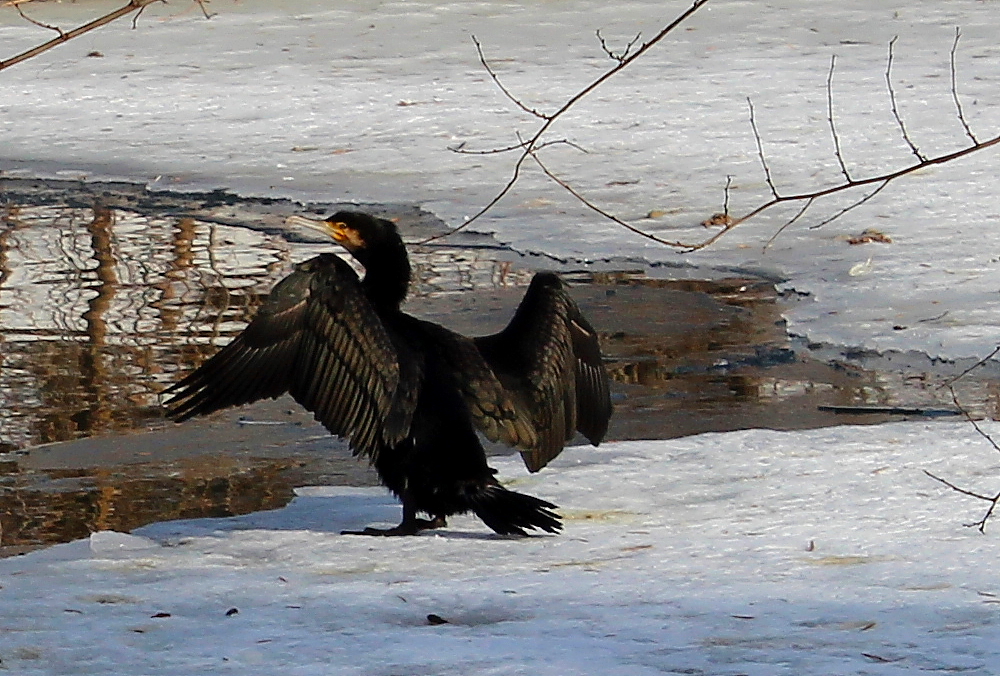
(972, 368)
(528, 148)
(533, 141)
(760, 151)
(132, 6)
(27, 18)
(984, 435)
(993, 500)
(892, 100)
(496, 80)
(963, 491)
(725, 203)
(854, 205)
(203, 4)
(590, 205)
(829, 115)
(619, 57)
(788, 224)
(954, 89)
(881, 178)
(978, 525)
(518, 146)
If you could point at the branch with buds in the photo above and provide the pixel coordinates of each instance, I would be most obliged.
(133, 7)
(870, 186)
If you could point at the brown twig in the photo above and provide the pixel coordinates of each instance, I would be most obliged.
(590, 205)
(517, 146)
(993, 500)
(725, 199)
(954, 89)
(853, 205)
(895, 109)
(132, 6)
(829, 115)
(817, 194)
(27, 18)
(530, 147)
(949, 383)
(971, 420)
(801, 212)
(532, 143)
(203, 4)
(506, 92)
(760, 151)
(619, 56)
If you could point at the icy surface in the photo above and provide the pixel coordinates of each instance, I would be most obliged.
(825, 552)
(362, 100)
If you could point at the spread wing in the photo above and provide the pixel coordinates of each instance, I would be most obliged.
(491, 405)
(318, 338)
(549, 361)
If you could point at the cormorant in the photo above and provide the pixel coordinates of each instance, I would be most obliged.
(410, 394)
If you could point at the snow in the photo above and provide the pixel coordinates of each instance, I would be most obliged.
(362, 101)
(755, 552)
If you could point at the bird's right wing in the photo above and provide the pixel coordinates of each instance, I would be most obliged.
(318, 338)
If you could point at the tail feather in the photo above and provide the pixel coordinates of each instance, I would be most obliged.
(509, 513)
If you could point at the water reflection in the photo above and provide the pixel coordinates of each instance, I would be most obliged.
(100, 309)
(76, 503)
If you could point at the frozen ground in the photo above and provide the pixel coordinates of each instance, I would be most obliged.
(362, 100)
(825, 552)
(759, 552)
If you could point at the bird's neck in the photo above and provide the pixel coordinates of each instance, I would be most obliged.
(387, 277)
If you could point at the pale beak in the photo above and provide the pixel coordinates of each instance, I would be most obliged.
(320, 226)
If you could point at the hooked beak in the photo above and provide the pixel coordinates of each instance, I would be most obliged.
(335, 230)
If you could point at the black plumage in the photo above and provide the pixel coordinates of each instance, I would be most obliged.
(408, 394)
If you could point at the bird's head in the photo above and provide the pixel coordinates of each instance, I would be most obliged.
(357, 232)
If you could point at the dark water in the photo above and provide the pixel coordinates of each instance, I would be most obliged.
(101, 308)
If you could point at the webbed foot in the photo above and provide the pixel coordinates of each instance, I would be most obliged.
(409, 527)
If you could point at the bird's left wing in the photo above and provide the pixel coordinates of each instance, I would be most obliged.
(549, 361)
(318, 338)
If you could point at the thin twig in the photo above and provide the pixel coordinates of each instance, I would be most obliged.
(949, 383)
(892, 100)
(132, 6)
(850, 184)
(829, 116)
(968, 417)
(957, 489)
(496, 80)
(887, 178)
(794, 218)
(954, 89)
(981, 524)
(590, 205)
(572, 101)
(624, 54)
(203, 4)
(858, 203)
(37, 23)
(725, 202)
(978, 525)
(528, 148)
(493, 151)
(760, 151)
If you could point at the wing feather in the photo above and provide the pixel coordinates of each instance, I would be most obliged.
(318, 338)
(549, 360)
(490, 403)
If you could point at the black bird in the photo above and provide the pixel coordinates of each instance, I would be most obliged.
(410, 394)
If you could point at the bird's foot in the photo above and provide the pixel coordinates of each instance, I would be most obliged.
(411, 527)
